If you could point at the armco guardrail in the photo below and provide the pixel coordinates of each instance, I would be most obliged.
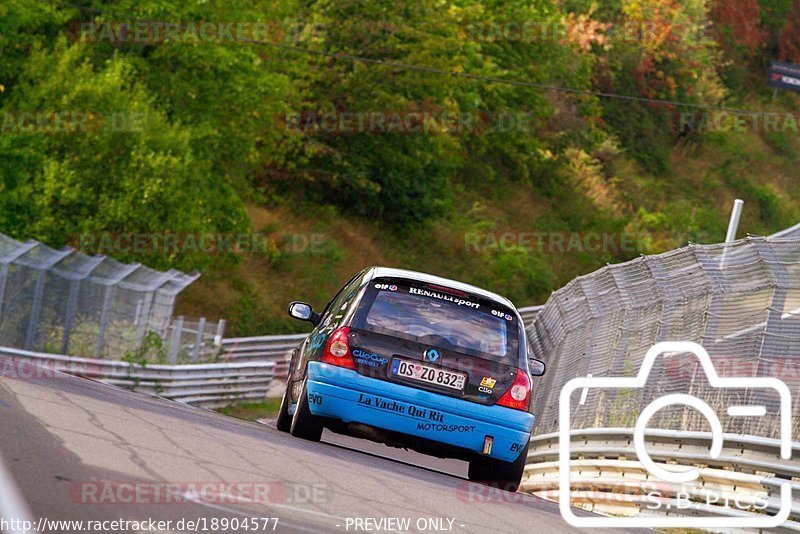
(275, 349)
(606, 477)
(206, 385)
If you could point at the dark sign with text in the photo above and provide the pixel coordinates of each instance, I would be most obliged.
(784, 75)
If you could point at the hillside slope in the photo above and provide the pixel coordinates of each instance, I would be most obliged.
(509, 237)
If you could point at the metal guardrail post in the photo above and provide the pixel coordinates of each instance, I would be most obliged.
(3, 278)
(175, 340)
(36, 307)
(733, 223)
(144, 318)
(733, 226)
(72, 304)
(105, 311)
(137, 315)
(198, 338)
(220, 332)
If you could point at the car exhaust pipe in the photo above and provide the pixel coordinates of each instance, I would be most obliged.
(367, 432)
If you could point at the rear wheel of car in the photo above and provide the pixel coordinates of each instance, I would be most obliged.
(305, 425)
(284, 420)
(499, 474)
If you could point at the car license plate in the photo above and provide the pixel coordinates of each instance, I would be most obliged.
(429, 375)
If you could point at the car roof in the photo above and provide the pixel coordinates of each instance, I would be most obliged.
(380, 272)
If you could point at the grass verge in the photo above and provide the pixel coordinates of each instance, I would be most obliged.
(253, 411)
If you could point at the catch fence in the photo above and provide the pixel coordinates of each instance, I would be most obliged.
(63, 301)
(740, 301)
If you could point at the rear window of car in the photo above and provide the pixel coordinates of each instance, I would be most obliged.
(441, 317)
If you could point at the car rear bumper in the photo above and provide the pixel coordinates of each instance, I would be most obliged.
(346, 395)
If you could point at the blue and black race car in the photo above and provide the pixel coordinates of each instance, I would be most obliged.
(419, 362)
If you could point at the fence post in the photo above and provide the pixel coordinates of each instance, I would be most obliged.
(733, 226)
(104, 313)
(198, 338)
(175, 340)
(72, 299)
(36, 308)
(143, 325)
(36, 305)
(780, 292)
(72, 304)
(144, 318)
(3, 278)
(220, 332)
(137, 314)
(111, 286)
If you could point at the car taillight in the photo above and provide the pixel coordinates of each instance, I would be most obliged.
(337, 350)
(518, 395)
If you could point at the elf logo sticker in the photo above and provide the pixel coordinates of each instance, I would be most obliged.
(390, 287)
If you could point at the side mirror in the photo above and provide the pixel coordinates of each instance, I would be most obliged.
(303, 312)
(537, 367)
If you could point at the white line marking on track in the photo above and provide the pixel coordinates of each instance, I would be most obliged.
(12, 504)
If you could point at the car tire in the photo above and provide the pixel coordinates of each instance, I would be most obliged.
(284, 420)
(497, 473)
(305, 425)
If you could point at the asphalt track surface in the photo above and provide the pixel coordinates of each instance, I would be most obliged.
(75, 448)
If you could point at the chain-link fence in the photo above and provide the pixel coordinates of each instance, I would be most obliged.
(62, 301)
(740, 301)
(193, 340)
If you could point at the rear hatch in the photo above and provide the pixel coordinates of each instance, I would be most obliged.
(437, 339)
